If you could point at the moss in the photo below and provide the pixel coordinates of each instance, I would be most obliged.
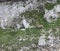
(58, 1)
(49, 6)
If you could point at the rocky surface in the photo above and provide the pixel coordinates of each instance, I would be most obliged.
(27, 32)
(10, 11)
(53, 14)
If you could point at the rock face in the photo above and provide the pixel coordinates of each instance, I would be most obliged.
(42, 41)
(52, 15)
(9, 11)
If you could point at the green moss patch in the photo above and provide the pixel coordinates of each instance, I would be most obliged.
(49, 6)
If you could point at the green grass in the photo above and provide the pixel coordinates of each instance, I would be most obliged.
(10, 37)
(37, 16)
(33, 32)
(40, 19)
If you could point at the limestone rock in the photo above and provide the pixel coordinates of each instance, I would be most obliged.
(42, 41)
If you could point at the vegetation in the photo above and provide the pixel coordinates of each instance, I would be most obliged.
(49, 6)
(37, 16)
(58, 1)
(10, 37)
